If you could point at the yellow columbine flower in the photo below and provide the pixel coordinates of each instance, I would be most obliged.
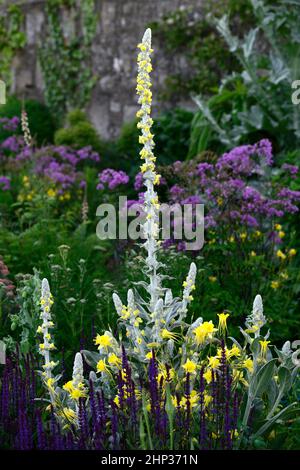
(264, 347)
(204, 332)
(248, 364)
(166, 334)
(68, 386)
(213, 362)
(275, 285)
(212, 278)
(77, 393)
(281, 234)
(102, 366)
(223, 322)
(208, 376)
(190, 366)
(51, 193)
(103, 341)
(207, 400)
(278, 227)
(117, 401)
(280, 255)
(292, 252)
(69, 414)
(114, 360)
(234, 351)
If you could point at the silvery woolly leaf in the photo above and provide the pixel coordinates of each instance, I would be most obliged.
(249, 43)
(223, 28)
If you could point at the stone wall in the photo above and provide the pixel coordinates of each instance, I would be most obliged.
(120, 27)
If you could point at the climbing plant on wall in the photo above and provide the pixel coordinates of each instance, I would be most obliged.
(190, 33)
(11, 37)
(65, 54)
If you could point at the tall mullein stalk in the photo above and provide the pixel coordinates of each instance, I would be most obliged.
(47, 345)
(151, 178)
(25, 128)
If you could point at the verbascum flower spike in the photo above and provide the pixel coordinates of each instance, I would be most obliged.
(25, 128)
(256, 320)
(47, 345)
(77, 377)
(188, 287)
(151, 205)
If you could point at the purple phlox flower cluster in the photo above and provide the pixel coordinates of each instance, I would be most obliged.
(291, 169)
(60, 165)
(12, 143)
(240, 159)
(236, 191)
(111, 179)
(4, 183)
(10, 124)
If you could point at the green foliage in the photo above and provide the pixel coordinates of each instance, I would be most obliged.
(192, 35)
(79, 133)
(172, 132)
(65, 61)
(257, 100)
(41, 123)
(11, 38)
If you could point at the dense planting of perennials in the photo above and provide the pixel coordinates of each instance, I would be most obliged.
(160, 383)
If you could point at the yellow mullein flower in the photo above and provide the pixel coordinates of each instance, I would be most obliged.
(50, 382)
(223, 322)
(278, 227)
(281, 234)
(292, 252)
